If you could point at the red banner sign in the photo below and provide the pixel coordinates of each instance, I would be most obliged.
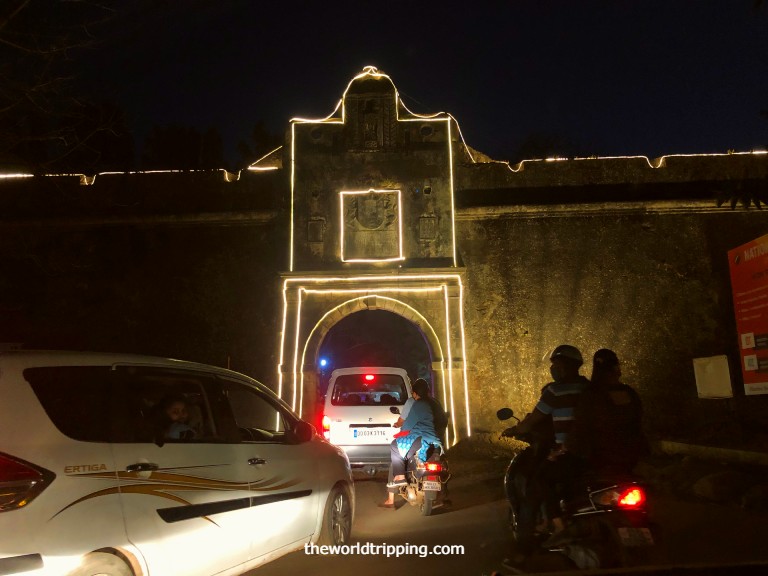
(749, 281)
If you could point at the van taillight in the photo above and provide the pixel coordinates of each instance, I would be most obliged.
(326, 428)
(20, 482)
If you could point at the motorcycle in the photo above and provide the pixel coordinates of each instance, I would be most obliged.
(605, 516)
(427, 482)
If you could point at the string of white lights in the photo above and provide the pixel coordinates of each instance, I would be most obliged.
(399, 224)
(400, 286)
(372, 71)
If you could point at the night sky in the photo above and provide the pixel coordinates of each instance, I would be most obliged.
(609, 77)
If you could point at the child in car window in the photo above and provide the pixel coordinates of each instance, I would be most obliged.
(174, 414)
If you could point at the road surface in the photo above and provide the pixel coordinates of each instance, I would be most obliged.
(693, 533)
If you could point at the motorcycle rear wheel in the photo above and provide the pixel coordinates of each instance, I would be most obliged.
(426, 506)
(514, 524)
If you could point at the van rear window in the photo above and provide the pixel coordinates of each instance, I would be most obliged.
(369, 390)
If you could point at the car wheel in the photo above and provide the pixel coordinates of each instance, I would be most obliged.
(102, 564)
(337, 518)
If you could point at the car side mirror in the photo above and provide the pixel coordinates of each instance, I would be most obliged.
(394, 409)
(505, 414)
(302, 432)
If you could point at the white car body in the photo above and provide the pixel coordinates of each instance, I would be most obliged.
(364, 428)
(248, 488)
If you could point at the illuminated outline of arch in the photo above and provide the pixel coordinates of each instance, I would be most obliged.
(423, 324)
(396, 278)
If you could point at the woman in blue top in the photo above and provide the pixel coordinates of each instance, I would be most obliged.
(418, 434)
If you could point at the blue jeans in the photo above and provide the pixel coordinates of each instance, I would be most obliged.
(397, 463)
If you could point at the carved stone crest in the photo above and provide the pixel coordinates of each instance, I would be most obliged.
(372, 211)
(371, 225)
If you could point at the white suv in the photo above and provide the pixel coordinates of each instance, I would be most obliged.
(94, 479)
(357, 414)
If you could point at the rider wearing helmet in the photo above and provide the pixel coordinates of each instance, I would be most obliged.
(559, 397)
(556, 406)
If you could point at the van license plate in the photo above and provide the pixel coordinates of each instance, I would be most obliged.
(373, 433)
(430, 485)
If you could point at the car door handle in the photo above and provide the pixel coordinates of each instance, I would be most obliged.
(142, 467)
(256, 461)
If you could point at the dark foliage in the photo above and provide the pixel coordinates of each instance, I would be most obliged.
(46, 121)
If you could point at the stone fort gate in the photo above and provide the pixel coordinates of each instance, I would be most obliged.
(372, 227)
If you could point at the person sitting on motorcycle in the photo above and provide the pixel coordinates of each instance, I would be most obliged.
(404, 412)
(439, 417)
(608, 431)
(558, 472)
(422, 428)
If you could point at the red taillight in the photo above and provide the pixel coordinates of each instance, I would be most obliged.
(20, 482)
(369, 377)
(633, 497)
(326, 427)
(434, 467)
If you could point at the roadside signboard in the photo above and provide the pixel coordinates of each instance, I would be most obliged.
(749, 282)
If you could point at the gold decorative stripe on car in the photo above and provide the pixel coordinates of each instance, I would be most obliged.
(180, 480)
(163, 485)
(207, 483)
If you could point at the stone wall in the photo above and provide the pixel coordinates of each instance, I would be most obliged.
(200, 281)
(653, 287)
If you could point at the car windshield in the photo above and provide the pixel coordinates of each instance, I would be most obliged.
(369, 390)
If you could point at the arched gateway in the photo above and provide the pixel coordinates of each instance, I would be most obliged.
(372, 228)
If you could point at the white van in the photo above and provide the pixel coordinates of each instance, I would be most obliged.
(357, 415)
(93, 481)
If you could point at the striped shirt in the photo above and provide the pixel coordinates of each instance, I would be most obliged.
(558, 399)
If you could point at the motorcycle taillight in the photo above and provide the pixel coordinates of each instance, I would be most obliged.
(20, 482)
(632, 498)
(434, 467)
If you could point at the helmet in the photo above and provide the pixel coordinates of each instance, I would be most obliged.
(569, 352)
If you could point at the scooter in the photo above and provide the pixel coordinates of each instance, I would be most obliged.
(427, 482)
(606, 520)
